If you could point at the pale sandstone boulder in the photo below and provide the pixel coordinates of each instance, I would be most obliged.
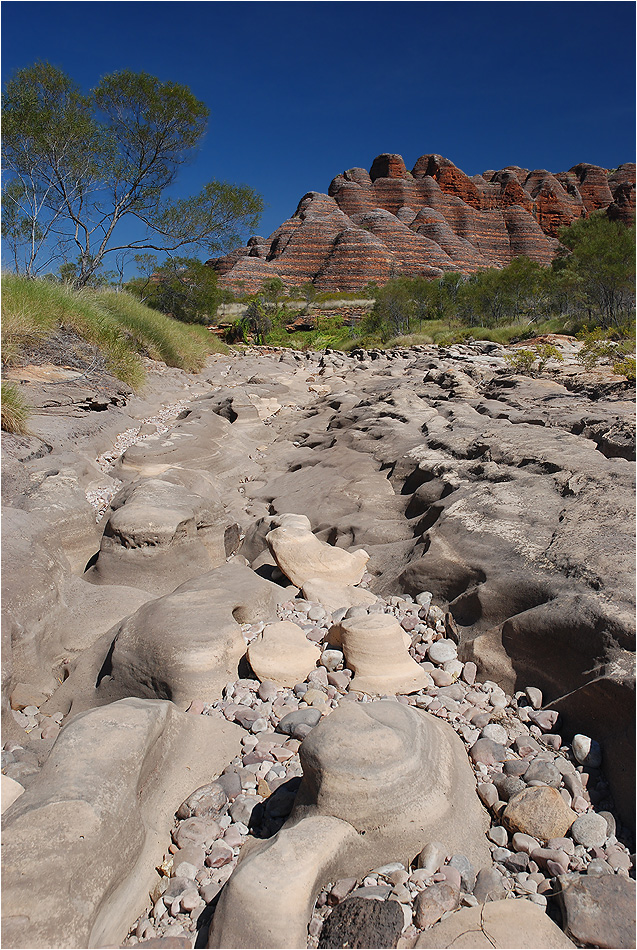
(379, 782)
(301, 556)
(283, 654)
(188, 644)
(10, 791)
(334, 596)
(504, 925)
(161, 534)
(98, 817)
(375, 650)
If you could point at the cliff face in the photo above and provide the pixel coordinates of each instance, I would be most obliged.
(389, 222)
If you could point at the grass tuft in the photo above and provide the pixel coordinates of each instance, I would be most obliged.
(124, 329)
(13, 409)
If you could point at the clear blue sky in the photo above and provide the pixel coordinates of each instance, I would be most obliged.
(298, 92)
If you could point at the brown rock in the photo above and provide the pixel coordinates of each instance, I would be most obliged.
(540, 812)
(433, 902)
(598, 910)
(370, 227)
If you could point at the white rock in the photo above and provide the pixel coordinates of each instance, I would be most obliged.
(587, 751)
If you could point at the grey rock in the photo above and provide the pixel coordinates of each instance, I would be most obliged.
(489, 885)
(545, 772)
(598, 910)
(590, 830)
(306, 717)
(467, 874)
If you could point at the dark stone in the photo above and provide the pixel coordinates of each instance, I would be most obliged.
(598, 911)
(363, 922)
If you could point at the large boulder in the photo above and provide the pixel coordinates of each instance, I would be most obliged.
(160, 535)
(375, 650)
(80, 846)
(380, 780)
(283, 654)
(503, 925)
(301, 556)
(188, 644)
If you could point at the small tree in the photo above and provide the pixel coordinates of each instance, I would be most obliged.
(602, 261)
(272, 289)
(87, 162)
(256, 320)
(182, 287)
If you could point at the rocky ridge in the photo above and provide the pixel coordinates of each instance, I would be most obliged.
(393, 222)
(393, 591)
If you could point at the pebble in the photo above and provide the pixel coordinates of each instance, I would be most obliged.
(442, 650)
(431, 857)
(495, 731)
(432, 903)
(498, 835)
(587, 751)
(534, 695)
(487, 752)
(590, 830)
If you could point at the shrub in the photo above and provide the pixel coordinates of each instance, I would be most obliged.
(522, 361)
(625, 367)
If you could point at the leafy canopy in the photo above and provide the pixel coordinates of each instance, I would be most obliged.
(77, 165)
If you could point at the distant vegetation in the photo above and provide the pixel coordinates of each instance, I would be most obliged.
(590, 285)
(589, 291)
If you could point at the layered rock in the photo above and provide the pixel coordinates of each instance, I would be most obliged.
(391, 221)
(96, 819)
(379, 782)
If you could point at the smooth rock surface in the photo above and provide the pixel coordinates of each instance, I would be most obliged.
(505, 925)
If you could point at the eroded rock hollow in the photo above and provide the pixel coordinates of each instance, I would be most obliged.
(345, 626)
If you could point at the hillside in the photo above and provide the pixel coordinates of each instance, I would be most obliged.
(387, 222)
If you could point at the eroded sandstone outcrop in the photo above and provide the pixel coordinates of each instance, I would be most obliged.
(495, 513)
(423, 222)
(96, 819)
(379, 782)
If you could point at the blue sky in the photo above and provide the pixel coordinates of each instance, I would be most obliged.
(298, 92)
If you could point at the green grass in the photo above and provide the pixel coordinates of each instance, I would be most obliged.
(119, 325)
(14, 409)
(440, 333)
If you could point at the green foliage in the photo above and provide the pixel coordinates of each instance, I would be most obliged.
(181, 287)
(521, 361)
(120, 326)
(625, 367)
(545, 352)
(601, 267)
(600, 347)
(86, 162)
(272, 289)
(534, 360)
(256, 321)
(13, 409)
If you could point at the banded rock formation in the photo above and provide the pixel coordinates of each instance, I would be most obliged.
(393, 222)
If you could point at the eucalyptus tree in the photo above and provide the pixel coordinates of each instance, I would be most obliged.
(78, 165)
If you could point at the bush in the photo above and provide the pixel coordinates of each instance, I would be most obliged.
(535, 359)
(14, 410)
(625, 367)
